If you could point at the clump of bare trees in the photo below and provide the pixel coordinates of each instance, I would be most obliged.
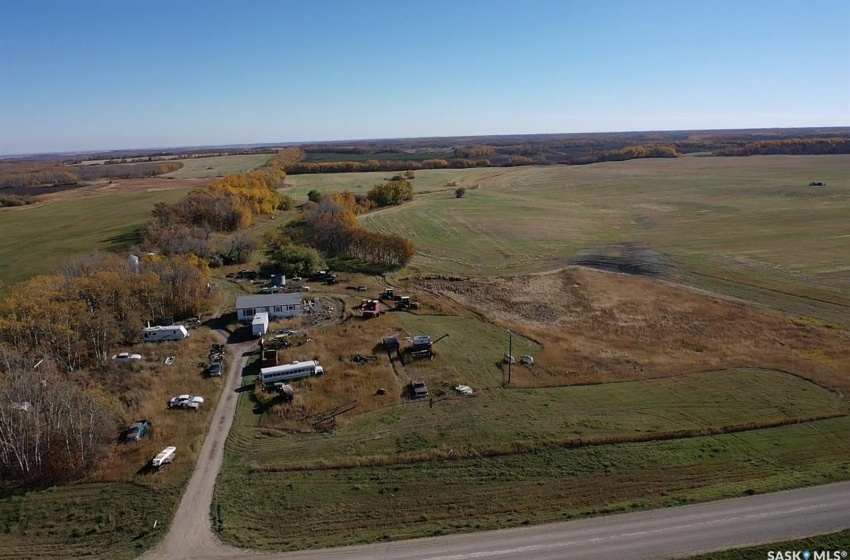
(51, 429)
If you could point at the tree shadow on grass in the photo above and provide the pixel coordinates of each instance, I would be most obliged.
(124, 240)
(252, 368)
(350, 265)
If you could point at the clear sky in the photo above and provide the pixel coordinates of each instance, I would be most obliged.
(110, 74)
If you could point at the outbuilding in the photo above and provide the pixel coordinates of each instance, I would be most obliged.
(276, 305)
(260, 324)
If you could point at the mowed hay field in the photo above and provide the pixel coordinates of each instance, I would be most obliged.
(750, 227)
(426, 180)
(35, 239)
(218, 166)
(111, 515)
(677, 398)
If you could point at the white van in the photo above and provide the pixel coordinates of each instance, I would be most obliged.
(156, 334)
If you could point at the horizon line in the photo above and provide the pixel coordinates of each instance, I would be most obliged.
(24, 155)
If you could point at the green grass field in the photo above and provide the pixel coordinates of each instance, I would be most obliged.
(744, 226)
(109, 521)
(495, 416)
(218, 166)
(425, 180)
(35, 239)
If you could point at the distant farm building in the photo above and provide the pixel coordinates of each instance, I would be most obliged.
(276, 305)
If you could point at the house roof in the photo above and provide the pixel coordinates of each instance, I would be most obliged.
(267, 300)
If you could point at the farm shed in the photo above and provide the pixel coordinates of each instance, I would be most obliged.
(260, 324)
(276, 305)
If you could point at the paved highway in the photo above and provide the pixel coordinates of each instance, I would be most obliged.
(664, 533)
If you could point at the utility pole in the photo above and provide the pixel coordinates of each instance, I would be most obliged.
(510, 355)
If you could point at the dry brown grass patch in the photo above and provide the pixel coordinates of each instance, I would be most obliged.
(599, 327)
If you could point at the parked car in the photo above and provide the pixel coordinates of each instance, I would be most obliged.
(127, 357)
(270, 289)
(216, 368)
(361, 288)
(186, 402)
(137, 431)
(418, 390)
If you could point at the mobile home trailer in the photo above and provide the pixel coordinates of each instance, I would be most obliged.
(290, 372)
(174, 332)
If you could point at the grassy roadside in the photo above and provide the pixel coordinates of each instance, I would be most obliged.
(350, 506)
(839, 541)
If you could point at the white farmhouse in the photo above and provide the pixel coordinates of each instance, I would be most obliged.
(276, 305)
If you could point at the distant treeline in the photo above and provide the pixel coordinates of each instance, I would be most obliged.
(23, 174)
(442, 153)
(791, 146)
(569, 149)
(629, 152)
(304, 167)
(475, 157)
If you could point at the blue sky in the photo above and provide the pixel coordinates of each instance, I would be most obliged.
(89, 74)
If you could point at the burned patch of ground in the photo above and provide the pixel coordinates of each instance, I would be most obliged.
(627, 258)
